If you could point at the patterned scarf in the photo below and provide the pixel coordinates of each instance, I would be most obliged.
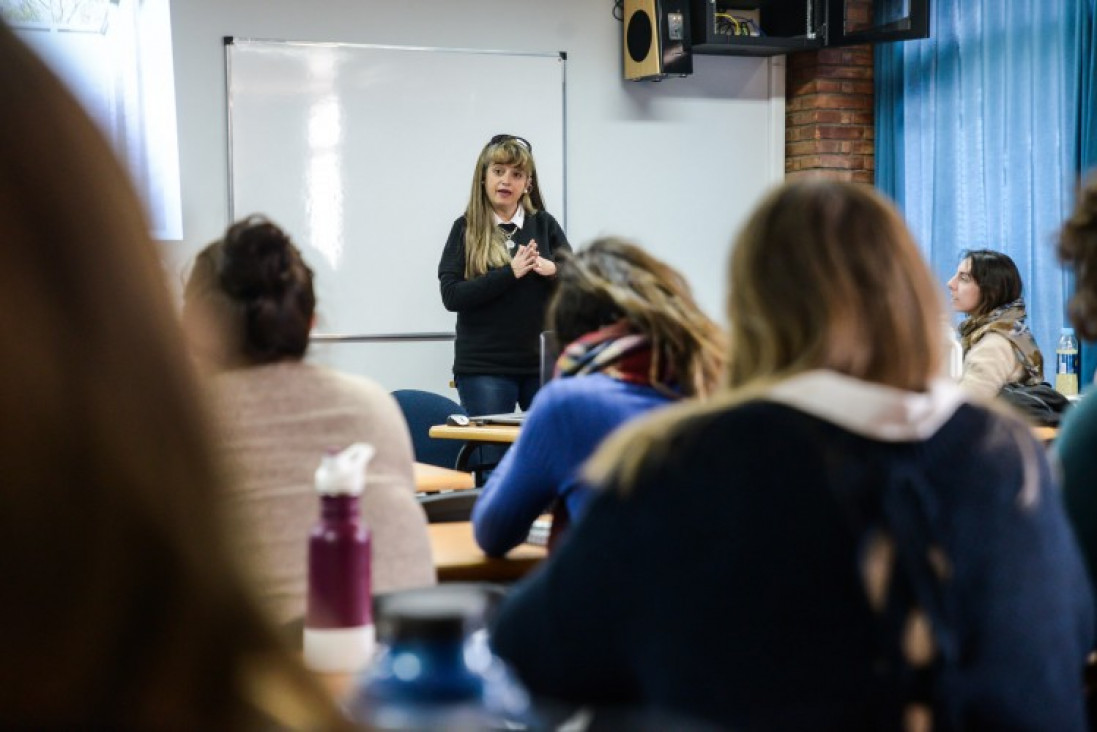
(614, 350)
(1009, 321)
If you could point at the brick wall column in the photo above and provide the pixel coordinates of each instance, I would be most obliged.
(829, 114)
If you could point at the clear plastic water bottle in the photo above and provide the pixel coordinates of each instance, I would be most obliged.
(339, 633)
(434, 668)
(1066, 363)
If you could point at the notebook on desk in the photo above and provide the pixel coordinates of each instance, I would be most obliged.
(510, 418)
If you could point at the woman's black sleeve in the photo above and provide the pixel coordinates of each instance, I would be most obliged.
(459, 293)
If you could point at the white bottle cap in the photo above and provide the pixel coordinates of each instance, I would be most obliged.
(344, 472)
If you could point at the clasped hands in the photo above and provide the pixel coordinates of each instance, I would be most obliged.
(527, 260)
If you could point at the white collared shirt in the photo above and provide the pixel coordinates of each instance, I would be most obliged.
(518, 219)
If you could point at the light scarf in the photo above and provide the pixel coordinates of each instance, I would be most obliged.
(1009, 321)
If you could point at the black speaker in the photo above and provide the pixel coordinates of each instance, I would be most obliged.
(656, 39)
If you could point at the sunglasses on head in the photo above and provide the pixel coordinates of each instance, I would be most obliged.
(499, 139)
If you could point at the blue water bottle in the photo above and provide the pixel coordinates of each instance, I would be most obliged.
(1066, 363)
(434, 668)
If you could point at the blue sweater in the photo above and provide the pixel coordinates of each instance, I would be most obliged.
(567, 420)
(727, 585)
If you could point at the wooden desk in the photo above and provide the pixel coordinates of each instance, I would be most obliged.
(1045, 434)
(504, 433)
(432, 479)
(458, 558)
(499, 434)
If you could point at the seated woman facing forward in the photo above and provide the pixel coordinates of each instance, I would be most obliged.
(254, 292)
(998, 346)
(638, 340)
(840, 541)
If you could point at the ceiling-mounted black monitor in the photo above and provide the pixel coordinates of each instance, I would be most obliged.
(771, 27)
(879, 21)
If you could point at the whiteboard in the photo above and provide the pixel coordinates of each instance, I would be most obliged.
(364, 154)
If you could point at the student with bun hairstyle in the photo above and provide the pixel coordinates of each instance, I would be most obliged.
(496, 272)
(124, 605)
(636, 340)
(253, 291)
(840, 540)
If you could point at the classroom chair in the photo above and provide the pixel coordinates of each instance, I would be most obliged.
(422, 410)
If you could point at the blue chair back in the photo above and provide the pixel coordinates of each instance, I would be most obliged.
(422, 410)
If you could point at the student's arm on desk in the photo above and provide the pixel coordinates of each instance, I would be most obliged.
(523, 485)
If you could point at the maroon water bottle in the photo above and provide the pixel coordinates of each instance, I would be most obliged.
(338, 611)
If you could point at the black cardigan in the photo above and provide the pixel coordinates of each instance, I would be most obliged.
(499, 316)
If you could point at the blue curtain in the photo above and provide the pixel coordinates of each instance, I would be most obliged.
(1086, 23)
(977, 137)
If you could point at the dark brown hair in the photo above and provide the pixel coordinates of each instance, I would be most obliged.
(123, 606)
(257, 289)
(997, 277)
(1078, 247)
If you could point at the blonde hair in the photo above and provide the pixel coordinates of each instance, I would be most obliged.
(127, 607)
(611, 280)
(824, 275)
(485, 244)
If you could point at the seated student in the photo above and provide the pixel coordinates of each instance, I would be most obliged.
(840, 541)
(638, 341)
(281, 414)
(997, 344)
(123, 604)
(1076, 444)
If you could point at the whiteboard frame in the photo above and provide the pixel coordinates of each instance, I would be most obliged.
(420, 335)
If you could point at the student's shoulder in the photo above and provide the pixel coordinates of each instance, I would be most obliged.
(458, 226)
(993, 343)
(1079, 428)
(545, 219)
(589, 388)
(357, 385)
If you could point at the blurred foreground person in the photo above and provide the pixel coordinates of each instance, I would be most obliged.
(123, 607)
(840, 541)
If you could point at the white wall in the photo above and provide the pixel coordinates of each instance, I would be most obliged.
(674, 165)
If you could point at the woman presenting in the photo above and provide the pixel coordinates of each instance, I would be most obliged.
(496, 273)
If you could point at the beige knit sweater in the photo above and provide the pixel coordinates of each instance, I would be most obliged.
(278, 420)
(989, 365)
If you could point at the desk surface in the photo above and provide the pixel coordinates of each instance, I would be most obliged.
(476, 433)
(431, 479)
(1045, 434)
(458, 558)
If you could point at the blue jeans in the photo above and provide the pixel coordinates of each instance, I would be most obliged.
(494, 394)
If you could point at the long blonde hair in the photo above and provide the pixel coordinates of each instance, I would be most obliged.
(124, 605)
(824, 275)
(611, 280)
(485, 244)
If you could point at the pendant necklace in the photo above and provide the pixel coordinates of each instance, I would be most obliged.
(509, 235)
